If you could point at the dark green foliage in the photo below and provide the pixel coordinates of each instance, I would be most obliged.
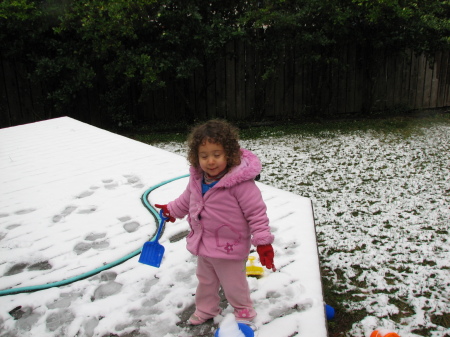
(317, 27)
(71, 45)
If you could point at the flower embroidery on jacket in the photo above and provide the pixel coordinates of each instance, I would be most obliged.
(228, 247)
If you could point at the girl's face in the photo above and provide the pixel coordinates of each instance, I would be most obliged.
(212, 158)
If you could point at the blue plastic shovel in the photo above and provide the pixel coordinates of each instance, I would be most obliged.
(152, 252)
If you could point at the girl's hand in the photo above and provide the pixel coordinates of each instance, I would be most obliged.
(166, 212)
(266, 255)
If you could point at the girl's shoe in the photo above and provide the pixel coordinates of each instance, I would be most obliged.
(195, 320)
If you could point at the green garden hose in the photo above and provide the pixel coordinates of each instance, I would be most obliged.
(147, 205)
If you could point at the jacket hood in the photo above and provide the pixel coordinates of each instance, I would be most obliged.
(248, 169)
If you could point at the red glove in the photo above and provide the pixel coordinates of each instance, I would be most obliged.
(266, 255)
(166, 212)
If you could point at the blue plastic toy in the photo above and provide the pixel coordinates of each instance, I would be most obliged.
(152, 252)
(329, 311)
(245, 329)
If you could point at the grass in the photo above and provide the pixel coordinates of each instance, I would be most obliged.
(404, 125)
(378, 188)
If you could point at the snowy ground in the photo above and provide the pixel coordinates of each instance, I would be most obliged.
(381, 204)
(70, 203)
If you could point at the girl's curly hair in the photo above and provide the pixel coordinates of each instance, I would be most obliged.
(218, 132)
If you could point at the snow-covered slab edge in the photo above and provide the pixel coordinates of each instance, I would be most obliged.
(130, 295)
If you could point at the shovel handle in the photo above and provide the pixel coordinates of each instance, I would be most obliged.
(161, 224)
(161, 215)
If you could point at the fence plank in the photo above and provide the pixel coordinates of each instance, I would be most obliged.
(13, 93)
(240, 80)
(210, 74)
(200, 94)
(350, 81)
(359, 81)
(158, 105)
(333, 84)
(406, 79)
(434, 82)
(298, 85)
(289, 76)
(395, 85)
(5, 110)
(278, 89)
(444, 79)
(230, 81)
(221, 89)
(428, 84)
(25, 98)
(269, 91)
(390, 67)
(342, 82)
(421, 87)
(413, 84)
(250, 80)
(447, 82)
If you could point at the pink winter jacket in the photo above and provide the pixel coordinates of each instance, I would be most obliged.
(229, 217)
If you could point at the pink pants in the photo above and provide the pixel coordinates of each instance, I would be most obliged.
(230, 274)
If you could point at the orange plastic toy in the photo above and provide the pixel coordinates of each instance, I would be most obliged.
(253, 270)
(383, 333)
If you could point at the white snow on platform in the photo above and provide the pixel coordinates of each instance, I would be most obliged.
(70, 203)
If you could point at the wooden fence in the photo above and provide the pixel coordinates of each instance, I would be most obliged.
(232, 87)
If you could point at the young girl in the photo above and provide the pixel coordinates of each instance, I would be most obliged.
(226, 214)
